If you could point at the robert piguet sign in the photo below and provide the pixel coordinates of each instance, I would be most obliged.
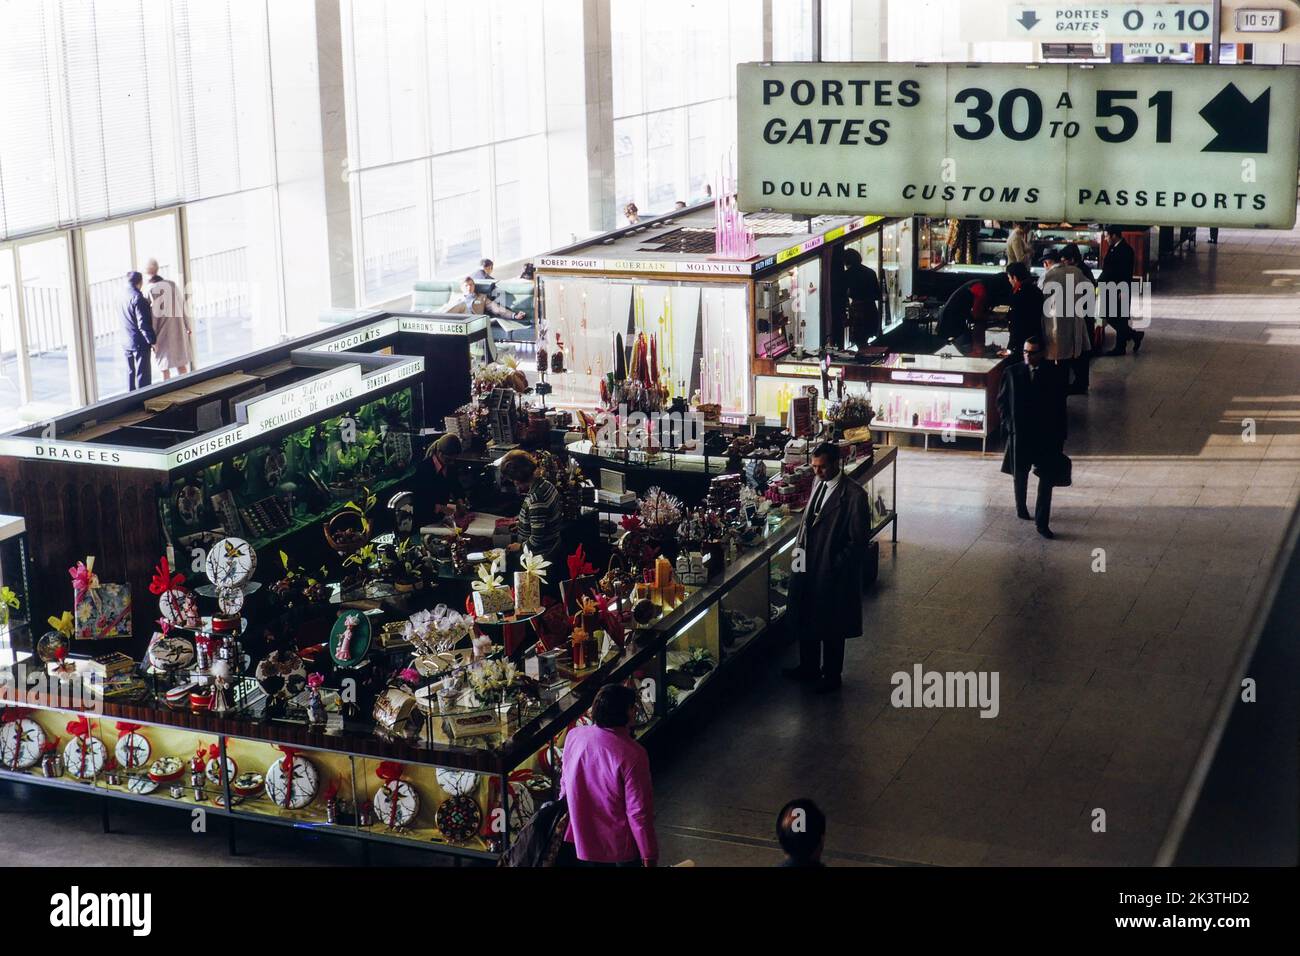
(1167, 144)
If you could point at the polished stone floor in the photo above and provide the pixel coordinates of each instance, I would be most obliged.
(1107, 679)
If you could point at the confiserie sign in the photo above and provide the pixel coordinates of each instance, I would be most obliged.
(1170, 144)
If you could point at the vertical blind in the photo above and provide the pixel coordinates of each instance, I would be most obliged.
(113, 107)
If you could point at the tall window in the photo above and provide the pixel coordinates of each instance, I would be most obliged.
(447, 146)
(674, 67)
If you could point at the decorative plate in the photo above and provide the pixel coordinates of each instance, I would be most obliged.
(350, 639)
(231, 563)
(247, 784)
(273, 466)
(170, 651)
(522, 806)
(48, 646)
(165, 769)
(141, 785)
(459, 819)
(212, 770)
(282, 673)
(230, 600)
(84, 757)
(296, 789)
(20, 744)
(457, 782)
(189, 504)
(133, 751)
(173, 604)
(396, 803)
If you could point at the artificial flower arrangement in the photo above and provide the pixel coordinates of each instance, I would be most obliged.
(297, 586)
(852, 411)
(439, 630)
(8, 601)
(490, 595)
(503, 374)
(528, 582)
(494, 680)
(660, 510)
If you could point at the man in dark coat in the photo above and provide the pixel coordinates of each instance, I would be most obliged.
(826, 570)
(137, 326)
(1026, 318)
(1032, 402)
(864, 298)
(1117, 267)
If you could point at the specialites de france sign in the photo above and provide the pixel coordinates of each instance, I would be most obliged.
(1163, 144)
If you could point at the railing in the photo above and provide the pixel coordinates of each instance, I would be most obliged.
(391, 254)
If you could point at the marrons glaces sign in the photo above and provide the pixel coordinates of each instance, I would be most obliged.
(1170, 144)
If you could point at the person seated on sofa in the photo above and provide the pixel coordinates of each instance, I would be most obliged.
(475, 302)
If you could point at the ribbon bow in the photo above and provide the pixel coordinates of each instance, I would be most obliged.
(287, 763)
(61, 624)
(630, 522)
(488, 579)
(388, 771)
(84, 577)
(200, 761)
(81, 727)
(534, 564)
(11, 715)
(163, 579)
(126, 727)
(578, 564)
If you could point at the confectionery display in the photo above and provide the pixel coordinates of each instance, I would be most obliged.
(348, 637)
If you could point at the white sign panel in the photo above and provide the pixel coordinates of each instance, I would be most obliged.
(1152, 48)
(1114, 22)
(1259, 21)
(286, 405)
(1160, 144)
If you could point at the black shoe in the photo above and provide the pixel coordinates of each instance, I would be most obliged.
(1137, 341)
(1046, 533)
(1023, 514)
(827, 685)
(1114, 352)
(799, 674)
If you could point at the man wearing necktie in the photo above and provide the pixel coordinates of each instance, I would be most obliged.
(826, 578)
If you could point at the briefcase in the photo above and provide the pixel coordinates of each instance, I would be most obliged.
(1062, 475)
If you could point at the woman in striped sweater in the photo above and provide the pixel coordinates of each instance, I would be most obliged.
(539, 517)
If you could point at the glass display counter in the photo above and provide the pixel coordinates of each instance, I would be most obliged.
(418, 785)
(936, 395)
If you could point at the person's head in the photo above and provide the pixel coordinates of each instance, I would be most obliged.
(1034, 351)
(614, 707)
(448, 446)
(679, 204)
(486, 266)
(1070, 253)
(1115, 233)
(801, 830)
(468, 285)
(527, 272)
(134, 279)
(826, 461)
(630, 211)
(852, 257)
(151, 268)
(1019, 275)
(519, 468)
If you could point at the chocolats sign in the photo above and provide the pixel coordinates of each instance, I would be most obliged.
(1168, 144)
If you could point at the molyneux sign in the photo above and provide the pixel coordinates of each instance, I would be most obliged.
(1163, 144)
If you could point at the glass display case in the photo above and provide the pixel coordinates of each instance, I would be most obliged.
(952, 397)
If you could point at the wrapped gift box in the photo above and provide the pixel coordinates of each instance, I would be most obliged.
(493, 602)
(103, 612)
(528, 593)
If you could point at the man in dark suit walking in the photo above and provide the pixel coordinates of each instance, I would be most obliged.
(826, 571)
(1118, 268)
(1032, 402)
(137, 326)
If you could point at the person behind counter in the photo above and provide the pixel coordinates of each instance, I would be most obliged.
(1018, 249)
(539, 517)
(438, 487)
(1026, 318)
(864, 298)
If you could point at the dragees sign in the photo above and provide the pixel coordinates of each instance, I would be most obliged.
(1160, 144)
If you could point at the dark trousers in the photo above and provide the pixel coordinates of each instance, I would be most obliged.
(138, 370)
(866, 322)
(1123, 331)
(823, 656)
(1214, 234)
(1043, 504)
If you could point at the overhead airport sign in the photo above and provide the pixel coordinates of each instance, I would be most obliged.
(1167, 144)
(1113, 22)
